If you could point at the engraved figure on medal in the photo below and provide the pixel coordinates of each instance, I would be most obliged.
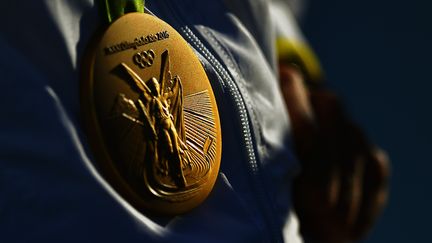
(177, 156)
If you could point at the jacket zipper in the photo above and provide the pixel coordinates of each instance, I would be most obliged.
(247, 139)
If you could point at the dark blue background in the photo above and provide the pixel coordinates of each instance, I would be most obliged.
(377, 55)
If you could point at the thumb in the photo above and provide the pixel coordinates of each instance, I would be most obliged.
(299, 107)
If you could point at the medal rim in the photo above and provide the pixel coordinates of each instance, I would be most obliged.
(102, 159)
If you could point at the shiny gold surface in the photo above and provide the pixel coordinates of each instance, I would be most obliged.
(151, 116)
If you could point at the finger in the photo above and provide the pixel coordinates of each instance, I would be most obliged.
(295, 92)
(351, 158)
(350, 192)
(298, 104)
(375, 192)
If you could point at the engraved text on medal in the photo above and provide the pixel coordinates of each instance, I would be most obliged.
(139, 41)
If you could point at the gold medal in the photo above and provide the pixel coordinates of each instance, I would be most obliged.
(151, 115)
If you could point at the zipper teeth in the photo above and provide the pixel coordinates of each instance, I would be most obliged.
(245, 131)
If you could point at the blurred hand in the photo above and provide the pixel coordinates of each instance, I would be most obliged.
(343, 184)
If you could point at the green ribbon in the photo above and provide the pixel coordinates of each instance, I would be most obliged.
(114, 9)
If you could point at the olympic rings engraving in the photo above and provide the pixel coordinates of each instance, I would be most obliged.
(144, 59)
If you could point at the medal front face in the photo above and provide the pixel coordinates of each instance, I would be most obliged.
(151, 115)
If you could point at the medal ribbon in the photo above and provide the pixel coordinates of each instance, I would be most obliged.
(113, 9)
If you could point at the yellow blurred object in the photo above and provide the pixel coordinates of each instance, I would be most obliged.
(300, 54)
